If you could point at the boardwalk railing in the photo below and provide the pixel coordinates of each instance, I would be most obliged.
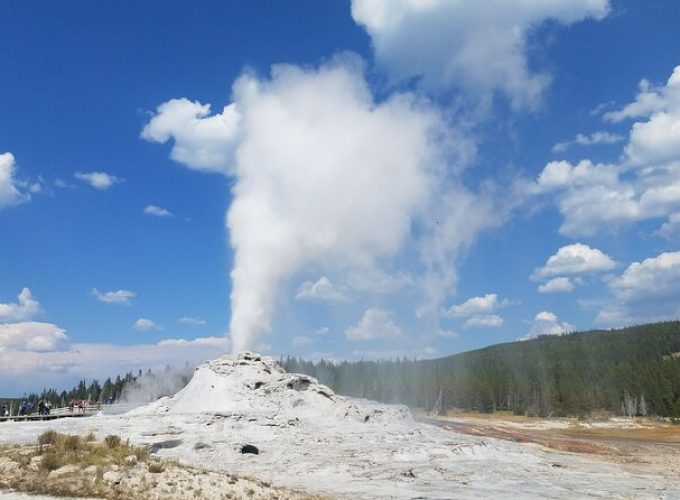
(66, 412)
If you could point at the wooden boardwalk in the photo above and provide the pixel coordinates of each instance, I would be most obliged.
(53, 415)
(65, 412)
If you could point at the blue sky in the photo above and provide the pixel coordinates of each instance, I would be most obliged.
(417, 178)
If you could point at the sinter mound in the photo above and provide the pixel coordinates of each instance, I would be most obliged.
(254, 386)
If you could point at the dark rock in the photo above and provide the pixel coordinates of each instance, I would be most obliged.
(171, 443)
(249, 448)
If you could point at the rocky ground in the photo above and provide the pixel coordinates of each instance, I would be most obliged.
(310, 439)
(22, 472)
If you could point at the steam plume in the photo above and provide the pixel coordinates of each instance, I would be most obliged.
(324, 176)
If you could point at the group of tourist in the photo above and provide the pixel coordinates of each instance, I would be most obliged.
(78, 404)
(27, 408)
(44, 407)
(41, 407)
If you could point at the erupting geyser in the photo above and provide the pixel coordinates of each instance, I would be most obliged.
(327, 177)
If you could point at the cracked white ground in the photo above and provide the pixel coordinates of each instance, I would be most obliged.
(309, 438)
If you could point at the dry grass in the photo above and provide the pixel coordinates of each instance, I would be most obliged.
(58, 450)
(155, 467)
(40, 469)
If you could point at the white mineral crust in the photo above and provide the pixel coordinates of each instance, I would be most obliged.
(310, 438)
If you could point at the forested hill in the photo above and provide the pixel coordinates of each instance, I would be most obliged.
(633, 370)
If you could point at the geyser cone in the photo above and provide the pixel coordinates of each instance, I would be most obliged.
(258, 387)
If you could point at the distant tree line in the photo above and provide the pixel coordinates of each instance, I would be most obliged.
(631, 371)
(110, 391)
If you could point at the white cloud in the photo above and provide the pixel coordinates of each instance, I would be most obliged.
(98, 180)
(476, 306)
(447, 334)
(301, 341)
(10, 194)
(477, 47)
(145, 324)
(643, 184)
(24, 365)
(200, 341)
(646, 291)
(201, 141)
(157, 211)
(292, 142)
(671, 228)
(324, 330)
(575, 259)
(556, 285)
(375, 324)
(26, 307)
(119, 297)
(484, 321)
(593, 139)
(32, 337)
(590, 197)
(62, 184)
(323, 290)
(192, 321)
(656, 142)
(546, 323)
(651, 99)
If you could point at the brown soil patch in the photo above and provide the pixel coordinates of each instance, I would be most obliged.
(521, 436)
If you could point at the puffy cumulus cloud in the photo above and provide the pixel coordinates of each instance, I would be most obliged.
(31, 336)
(25, 307)
(484, 321)
(546, 323)
(650, 99)
(655, 142)
(145, 324)
(192, 321)
(589, 196)
(375, 324)
(555, 285)
(202, 141)
(325, 176)
(593, 139)
(477, 47)
(118, 297)
(24, 370)
(643, 184)
(575, 259)
(476, 306)
(157, 211)
(10, 194)
(322, 290)
(646, 291)
(562, 174)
